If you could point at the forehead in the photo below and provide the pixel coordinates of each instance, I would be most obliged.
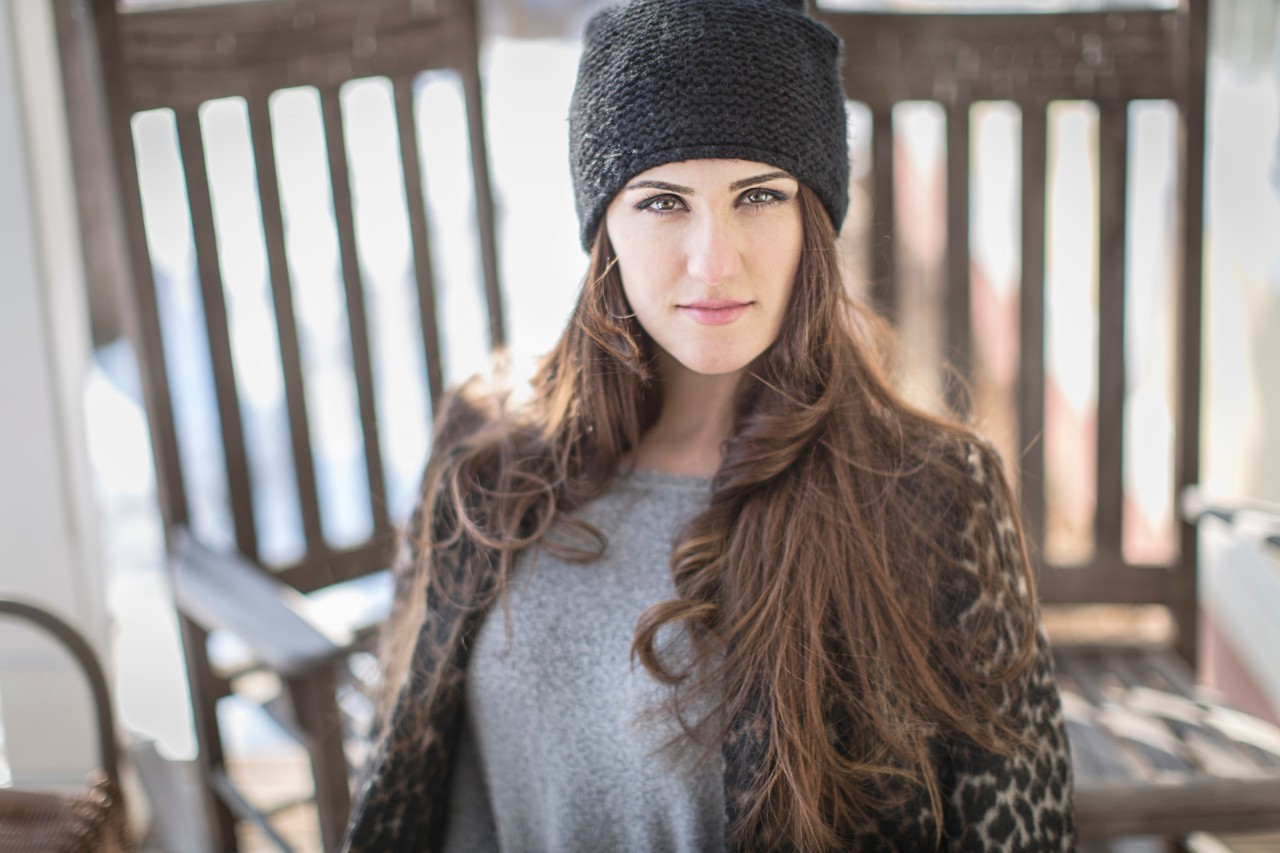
(708, 174)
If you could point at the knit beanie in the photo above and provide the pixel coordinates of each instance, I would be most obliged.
(661, 81)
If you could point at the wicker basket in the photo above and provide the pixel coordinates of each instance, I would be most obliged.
(94, 819)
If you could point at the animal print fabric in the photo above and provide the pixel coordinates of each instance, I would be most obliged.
(1017, 803)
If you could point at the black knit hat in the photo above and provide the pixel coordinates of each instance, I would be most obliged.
(662, 81)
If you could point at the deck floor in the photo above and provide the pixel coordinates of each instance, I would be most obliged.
(171, 785)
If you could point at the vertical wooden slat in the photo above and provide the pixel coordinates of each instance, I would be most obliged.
(142, 324)
(311, 696)
(414, 198)
(959, 321)
(1194, 19)
(206, 690)
(484, 204)
(884, 275)
(357, 322)
(286, 322)
(1031, 372)
(239, 484)
(1112, 219)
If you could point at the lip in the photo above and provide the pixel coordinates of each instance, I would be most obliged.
(714, 312)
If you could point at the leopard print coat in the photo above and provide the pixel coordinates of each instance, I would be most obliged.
(1019, 802)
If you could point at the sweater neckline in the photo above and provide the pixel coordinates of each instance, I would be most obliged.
(665, 479)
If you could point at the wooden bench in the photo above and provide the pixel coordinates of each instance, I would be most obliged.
(1151, 756)
(172, 63)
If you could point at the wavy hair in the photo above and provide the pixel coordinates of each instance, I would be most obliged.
(813, 586)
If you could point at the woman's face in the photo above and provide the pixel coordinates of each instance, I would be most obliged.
(708, 252)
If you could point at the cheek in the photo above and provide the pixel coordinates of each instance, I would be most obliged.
(647, 276)
(780, 256)
(632, 255)
(644, 294)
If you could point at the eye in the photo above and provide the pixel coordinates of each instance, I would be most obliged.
(661, 204)
(761, 197)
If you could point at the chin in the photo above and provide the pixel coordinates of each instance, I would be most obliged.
(720, 371)
(713, 364)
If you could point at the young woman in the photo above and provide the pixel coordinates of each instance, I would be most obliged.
(714, 584)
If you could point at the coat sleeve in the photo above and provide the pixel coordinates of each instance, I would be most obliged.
(403, 800)
(1021, 801)
(392, 810)
(401, 803)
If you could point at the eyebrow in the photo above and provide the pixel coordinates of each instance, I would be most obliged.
(677, 188)
(758, 179)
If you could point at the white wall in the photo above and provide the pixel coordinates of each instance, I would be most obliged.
(1240, 577)
(47, 519)
(1242, 274)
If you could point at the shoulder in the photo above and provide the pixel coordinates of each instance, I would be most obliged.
(991, 533)
(467, 413)
(967, 493)
(472, 421)
(990, 527)
(961, 472)
(956, 485)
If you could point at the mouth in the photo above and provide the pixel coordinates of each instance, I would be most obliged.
(714, 312)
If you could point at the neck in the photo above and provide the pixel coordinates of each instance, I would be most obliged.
(696, 419)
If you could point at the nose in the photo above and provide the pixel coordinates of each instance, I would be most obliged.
(713, 252)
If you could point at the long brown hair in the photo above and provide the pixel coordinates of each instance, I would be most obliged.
(815, 585)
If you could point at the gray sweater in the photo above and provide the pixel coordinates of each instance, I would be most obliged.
(557, 753)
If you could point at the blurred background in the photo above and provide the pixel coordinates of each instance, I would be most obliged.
(78, 509)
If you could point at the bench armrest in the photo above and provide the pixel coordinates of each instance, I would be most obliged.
(225, 591)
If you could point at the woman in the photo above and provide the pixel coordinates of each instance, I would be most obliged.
(715, 584)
